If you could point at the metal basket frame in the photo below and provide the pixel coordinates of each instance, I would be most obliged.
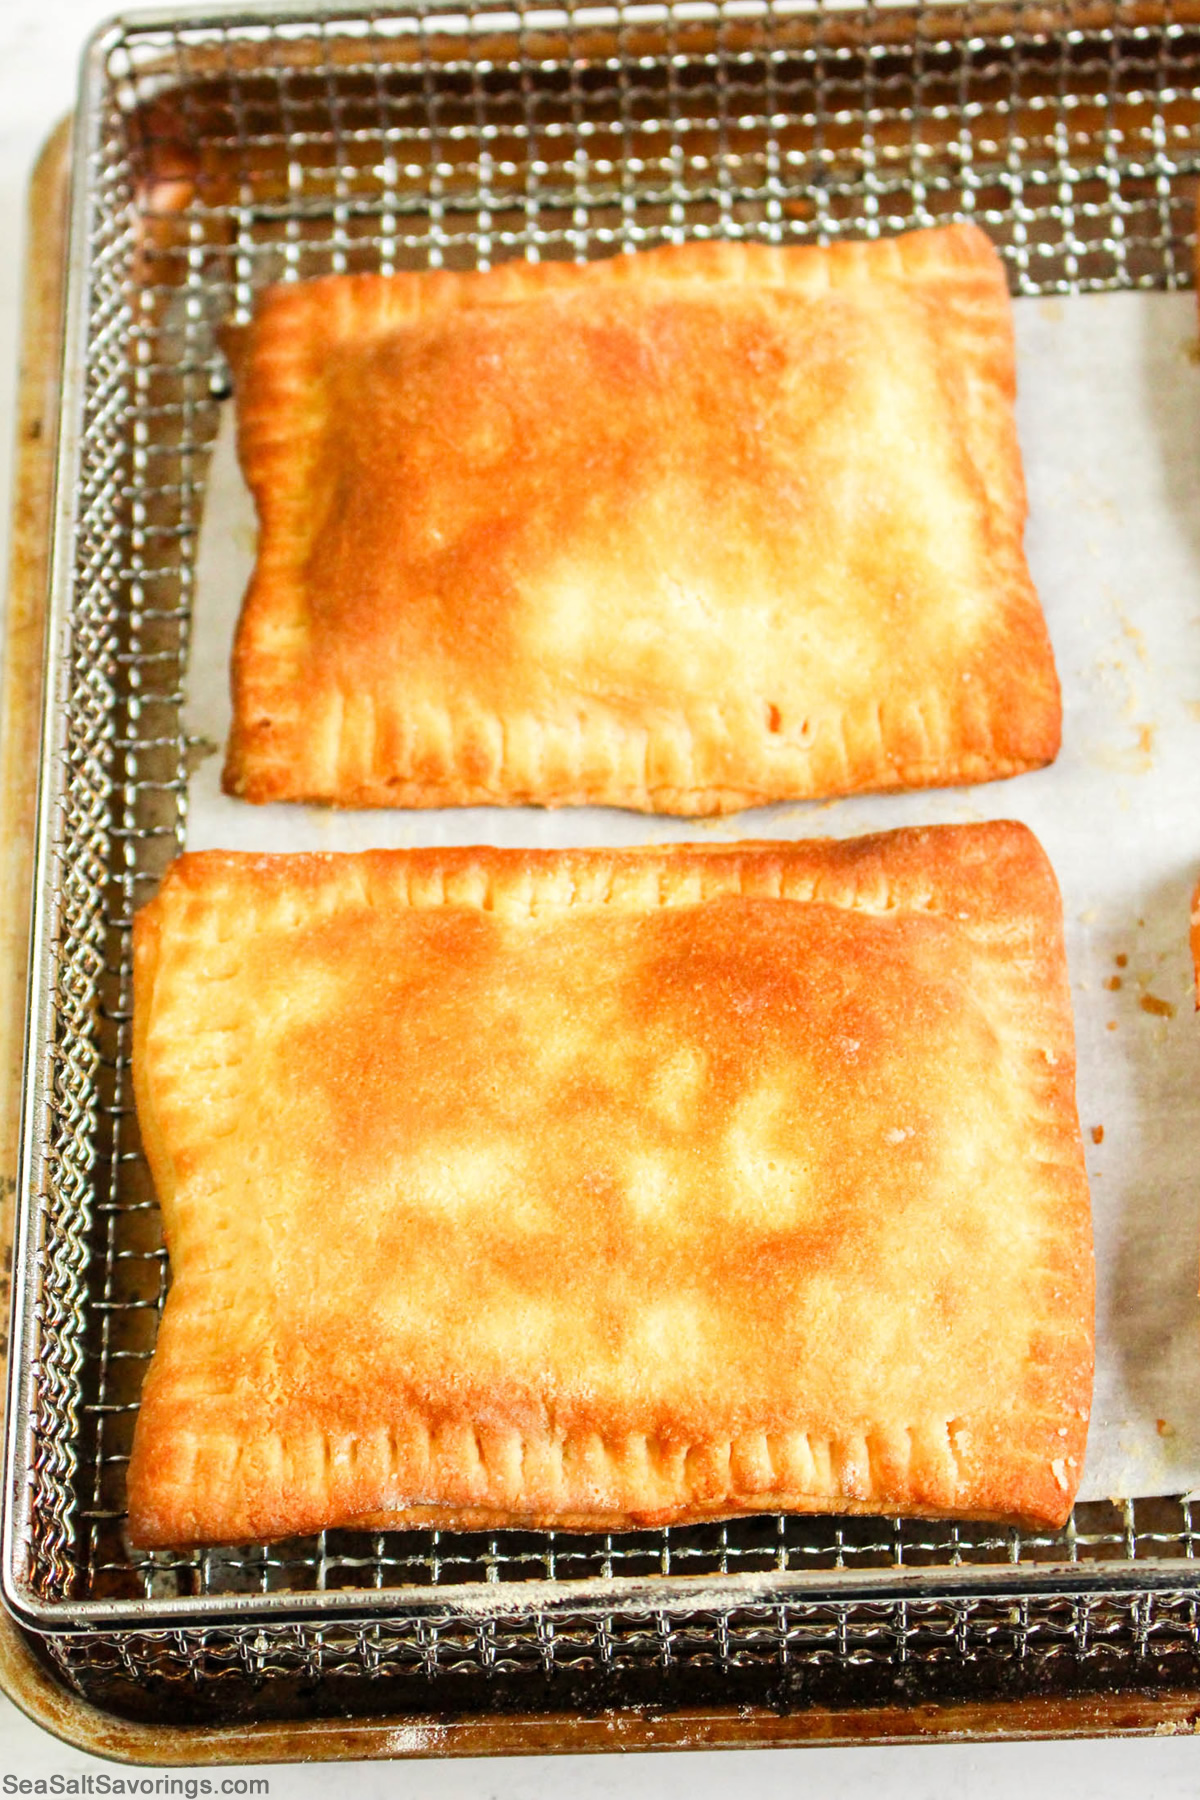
(239, 146)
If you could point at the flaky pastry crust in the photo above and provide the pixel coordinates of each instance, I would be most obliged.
(602, 1189)
(683, 531)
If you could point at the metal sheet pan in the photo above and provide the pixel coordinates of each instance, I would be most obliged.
(218, 153)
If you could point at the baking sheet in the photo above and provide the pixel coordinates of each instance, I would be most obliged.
(1109, 415)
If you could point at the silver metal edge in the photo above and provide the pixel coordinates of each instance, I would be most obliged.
(478, 1601)
(491, 15)
(28, 1212)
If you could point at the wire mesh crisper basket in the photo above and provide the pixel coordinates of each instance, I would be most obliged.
(223, 151)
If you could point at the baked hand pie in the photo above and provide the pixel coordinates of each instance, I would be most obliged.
(604, 1189)
(682, 531)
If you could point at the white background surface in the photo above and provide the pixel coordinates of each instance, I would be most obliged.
(39, 45)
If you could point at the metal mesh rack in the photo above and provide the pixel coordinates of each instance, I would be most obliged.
(221, 152)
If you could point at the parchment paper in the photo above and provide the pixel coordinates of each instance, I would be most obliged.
(1109, 414)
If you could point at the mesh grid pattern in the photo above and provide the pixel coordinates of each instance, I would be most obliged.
(785, 1654)
(224, 156)
(882, 1633)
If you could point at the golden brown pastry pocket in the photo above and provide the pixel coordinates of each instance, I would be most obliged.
(683, 531)
(599, 1189)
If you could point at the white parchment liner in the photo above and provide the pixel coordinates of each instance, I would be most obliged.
(1109, 414)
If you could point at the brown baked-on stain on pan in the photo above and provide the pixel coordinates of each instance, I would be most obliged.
(682, 531)
(604, 1189)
